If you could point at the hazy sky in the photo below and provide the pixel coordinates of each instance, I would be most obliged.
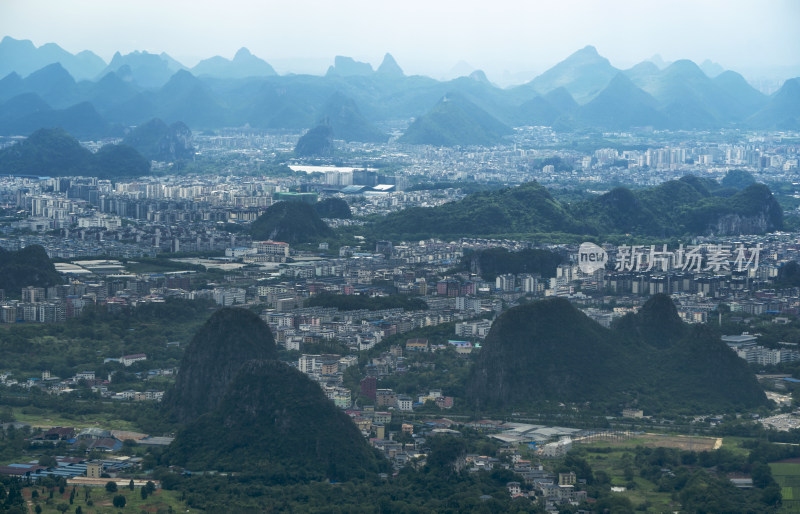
(428, 36)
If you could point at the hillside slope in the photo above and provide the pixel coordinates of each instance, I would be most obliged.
(549, 351)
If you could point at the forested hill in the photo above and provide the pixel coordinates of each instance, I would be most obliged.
(215, 354)
(674, 208)
(290, 221)
(526, 208)
(27, 267)
(275, 422)
(159, 142)
(244, 411)
(549, 351)
(54, 152)
(455, 121)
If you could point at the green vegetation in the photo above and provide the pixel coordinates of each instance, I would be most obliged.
(674, 208)
(158, 142)
(70, 410)
(11, 499)
(271, 475)
(290, 222)
(498, 261)
(680, 207)
(445, 370)
(656, 479)
(276, 423)
(465, 187)
(372, 303)
(53, 152)
(13, 442)
(550, 351)
(248, 413)
(216, 353)
(789, 274)
(82, 343)
(317, 142)
(83, 500)
(347, 122)
(738, 179)
(668, 479)
(435, 487)
(114, 161)
(787, 476)
(333, 208)
(27, 267)
(527, 208)
(455, 121)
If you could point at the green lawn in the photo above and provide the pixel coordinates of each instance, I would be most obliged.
(787, 475)
(160, 502)
(104, 420)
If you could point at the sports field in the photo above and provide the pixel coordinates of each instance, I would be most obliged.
(688, 443)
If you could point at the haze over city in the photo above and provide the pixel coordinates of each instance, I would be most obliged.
(352, 256)
(511, 41)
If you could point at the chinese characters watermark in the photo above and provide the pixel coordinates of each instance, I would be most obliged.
(693, 258)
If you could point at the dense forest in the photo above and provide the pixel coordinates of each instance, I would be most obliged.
(333, 208)
(54, 153)
(29, 266)
(290, 222)
(498, 261)
(83, 342)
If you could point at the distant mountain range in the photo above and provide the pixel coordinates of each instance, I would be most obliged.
(23, 57)
(244, 64)
(40, 85)
(158, 142)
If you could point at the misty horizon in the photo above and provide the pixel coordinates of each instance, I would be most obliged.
(511, 43)
(505, 78)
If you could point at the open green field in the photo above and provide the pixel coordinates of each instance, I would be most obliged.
(788, 477)
(644, 494)
(612, 455)
(681, 442)
(46, 419)
(161, 501)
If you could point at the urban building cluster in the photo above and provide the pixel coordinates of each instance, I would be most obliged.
(425, 269)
